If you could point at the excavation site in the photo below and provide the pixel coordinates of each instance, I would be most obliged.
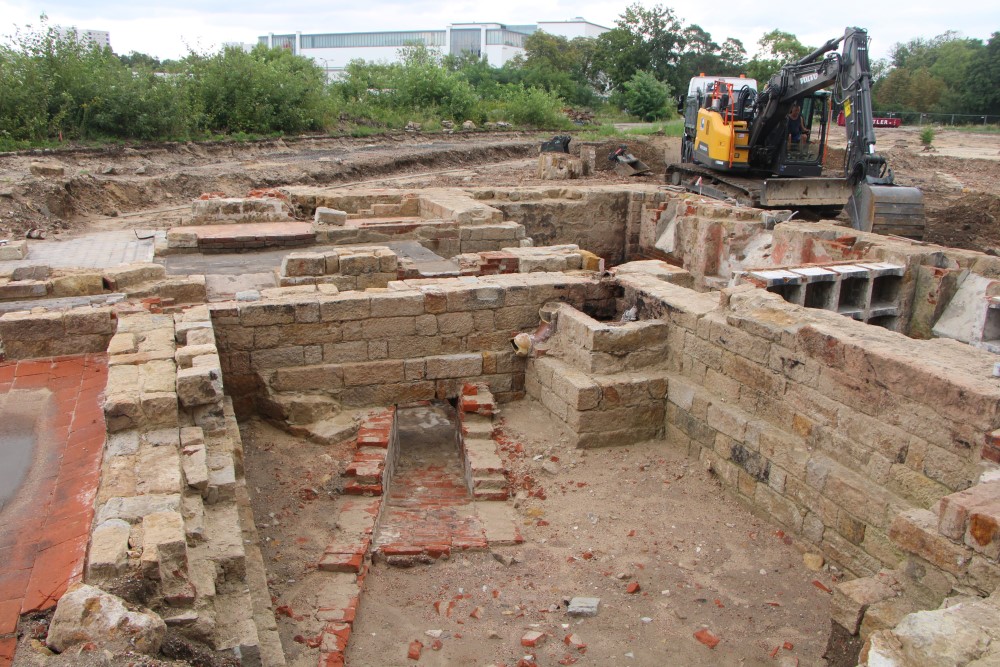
(426, 399)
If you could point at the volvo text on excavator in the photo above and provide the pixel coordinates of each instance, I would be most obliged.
(767, 148)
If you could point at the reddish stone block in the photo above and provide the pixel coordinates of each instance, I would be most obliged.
(7, 647)
(953, 515)
(10, 611)
(55, 569)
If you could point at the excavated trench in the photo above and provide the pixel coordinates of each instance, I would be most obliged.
(407, 418)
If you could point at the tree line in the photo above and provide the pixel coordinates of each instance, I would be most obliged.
(55, 87)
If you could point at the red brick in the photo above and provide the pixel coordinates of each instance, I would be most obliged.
(633, 588)
(55, 569)
(533, 639)
(707, 638)
(413, 652)
(341, 562)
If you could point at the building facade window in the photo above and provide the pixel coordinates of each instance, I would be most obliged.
(373, 39)
(505, 38)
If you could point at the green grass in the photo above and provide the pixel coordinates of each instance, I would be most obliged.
(670, 128)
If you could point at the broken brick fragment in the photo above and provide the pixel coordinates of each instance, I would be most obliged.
(414, 651)
(707, 638)
(633, 588)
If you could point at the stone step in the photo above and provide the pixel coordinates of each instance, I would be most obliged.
(235, 629)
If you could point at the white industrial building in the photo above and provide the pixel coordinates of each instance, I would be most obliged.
(499, 43)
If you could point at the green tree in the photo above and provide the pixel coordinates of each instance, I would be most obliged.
(981, 88)
(777, 48)
(646, 97)
(642, 40)
(929, 75)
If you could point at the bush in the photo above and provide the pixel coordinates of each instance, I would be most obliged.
(927, 136)
(646, 97)
(527, 106)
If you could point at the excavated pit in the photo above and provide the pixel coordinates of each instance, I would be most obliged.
(781, 388)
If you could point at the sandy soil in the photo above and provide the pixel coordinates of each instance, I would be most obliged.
(150, 186)
(700, 559)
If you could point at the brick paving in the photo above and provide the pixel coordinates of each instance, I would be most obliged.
(45, 528)
(429, 511)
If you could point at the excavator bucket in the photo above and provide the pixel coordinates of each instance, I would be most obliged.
(887, 209)
(631, 167)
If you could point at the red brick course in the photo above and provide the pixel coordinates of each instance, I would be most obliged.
(43, 540)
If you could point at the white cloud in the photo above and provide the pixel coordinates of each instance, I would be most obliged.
(166, 30)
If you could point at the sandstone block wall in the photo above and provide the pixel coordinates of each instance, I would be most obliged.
(420, 340)
(593, 218)
(354, 268)
(25, 335)
(830, 427)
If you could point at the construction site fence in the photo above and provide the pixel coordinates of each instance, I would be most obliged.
(918, 118)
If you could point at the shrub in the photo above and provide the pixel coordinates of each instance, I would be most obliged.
(646, 97)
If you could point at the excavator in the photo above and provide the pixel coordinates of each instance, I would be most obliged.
(767, 148)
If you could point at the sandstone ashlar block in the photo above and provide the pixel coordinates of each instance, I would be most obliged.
(108, 554)
(120, 278)
(199, 386)
(329, 217)
(132, 509)
(851, 600)
(559, 166)
(453, 366)
(358, 263)
(186, 355)
(266, 314)
(299, 264)
(396, 304)
(13, 251)
(77, 284)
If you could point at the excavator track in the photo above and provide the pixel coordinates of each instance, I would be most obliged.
(751, 191)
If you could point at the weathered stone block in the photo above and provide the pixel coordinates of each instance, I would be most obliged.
(298, 264)
(915, 531)
(199, 386)
(454, 366)
(107, 556)
(852, 598)
(329, 217)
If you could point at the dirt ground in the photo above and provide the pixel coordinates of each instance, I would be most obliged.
(701, 561)
(146, 187)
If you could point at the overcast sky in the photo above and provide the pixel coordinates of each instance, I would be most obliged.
(169, 30)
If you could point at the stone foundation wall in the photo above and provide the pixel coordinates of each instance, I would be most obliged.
(830, 427)
(417, 340)
(593, 218)
(25, 335)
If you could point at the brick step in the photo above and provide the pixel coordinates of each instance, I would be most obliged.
(498, 483)
(477, 426)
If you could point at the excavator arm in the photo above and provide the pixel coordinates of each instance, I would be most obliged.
(875, 199)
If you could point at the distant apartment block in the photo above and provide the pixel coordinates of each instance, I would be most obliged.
(497, 42)
(99, 38)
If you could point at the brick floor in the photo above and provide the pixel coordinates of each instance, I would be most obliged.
(44, 529)
(428, 512)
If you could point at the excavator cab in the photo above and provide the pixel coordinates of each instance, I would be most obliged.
(805, 136)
